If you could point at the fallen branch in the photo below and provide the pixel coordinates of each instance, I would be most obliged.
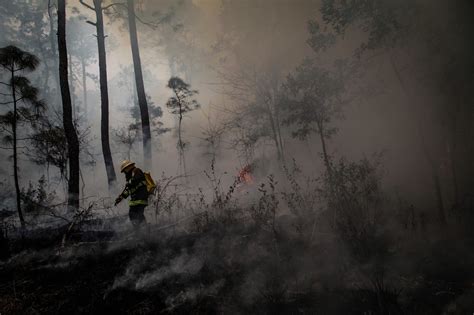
(178, 222)
(77, 218)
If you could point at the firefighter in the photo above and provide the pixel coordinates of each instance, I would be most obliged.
(137, 190)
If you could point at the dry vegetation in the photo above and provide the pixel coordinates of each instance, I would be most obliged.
(252, 87)
(278, 252)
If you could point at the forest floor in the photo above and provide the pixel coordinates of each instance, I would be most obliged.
(229, 269)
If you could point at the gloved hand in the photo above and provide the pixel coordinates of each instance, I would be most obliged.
(117, 201)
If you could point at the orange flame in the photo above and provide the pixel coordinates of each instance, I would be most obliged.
(245, 175)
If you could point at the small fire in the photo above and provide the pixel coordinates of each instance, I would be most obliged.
(245, 176)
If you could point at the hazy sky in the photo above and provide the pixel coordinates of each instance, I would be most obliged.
(269, 38)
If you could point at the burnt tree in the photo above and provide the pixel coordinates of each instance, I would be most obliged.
(104, 94)
(137, 66)
(68, 123)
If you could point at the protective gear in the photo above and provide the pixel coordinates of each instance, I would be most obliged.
(136, 215)
(125, 164)
(136, 188)
(117, 200)
(133, 203)
(150, 183)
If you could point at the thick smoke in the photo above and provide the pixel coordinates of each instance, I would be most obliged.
(370, 215)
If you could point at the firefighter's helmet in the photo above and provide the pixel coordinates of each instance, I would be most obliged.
(125, 164)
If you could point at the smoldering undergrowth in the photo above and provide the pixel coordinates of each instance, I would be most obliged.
(331, 244)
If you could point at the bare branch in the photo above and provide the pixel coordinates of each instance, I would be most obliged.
(152, 25)
(21, 99)
(91, 23)
(18, 147)
(78, 217)
(51, 6)
(114, 4)
(54, 215)
(87, 5)
(3, 129)
(23, 139)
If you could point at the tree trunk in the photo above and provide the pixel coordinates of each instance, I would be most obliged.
(15, 153)
(142, 102)
(337, 196)
(435, 178)
(434, 173)
(452, 145)
(452, 157)
(104, 95)
(84, 85)
(73, 92)
(274, 132)
(439, 197)
(323, 145)
(52, 41)
(278, 128)
(182, 159)
(69, 128)
(276, 113)
(46, 77)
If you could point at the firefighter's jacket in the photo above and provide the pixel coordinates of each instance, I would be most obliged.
(136, 188)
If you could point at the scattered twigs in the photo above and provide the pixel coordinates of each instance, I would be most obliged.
(164, 227)
(77, 219)
(161, 190)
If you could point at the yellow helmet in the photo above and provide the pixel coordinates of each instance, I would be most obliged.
(125, 164)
